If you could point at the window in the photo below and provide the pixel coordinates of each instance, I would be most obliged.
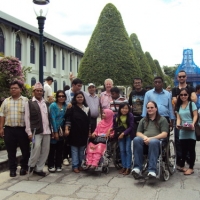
(63, 61)
(70, 62)
(54, 58)
(1, 41)
(18, 47)
(33, 81)
(32, 52)
(64, 84)
(55, 85)
(44, 56)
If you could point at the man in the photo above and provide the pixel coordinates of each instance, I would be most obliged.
(36, 117)
(151, 129)
(48, 94)
(76, 87)
(93, 103)
(12, 118)
(162, 99)
(117, 99)
(182, 77)
(136, 100)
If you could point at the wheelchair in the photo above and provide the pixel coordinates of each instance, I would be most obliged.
(166, 163)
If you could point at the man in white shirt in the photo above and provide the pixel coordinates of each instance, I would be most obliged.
(48, 94)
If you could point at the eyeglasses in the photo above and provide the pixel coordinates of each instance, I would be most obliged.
(183, 95)
(14, 88)
(61, 96)
(181, 76)
(150, 107)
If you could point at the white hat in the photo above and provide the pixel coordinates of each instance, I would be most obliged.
(91, 84)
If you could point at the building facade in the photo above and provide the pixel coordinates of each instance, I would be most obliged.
(21, 40)
(191, 69)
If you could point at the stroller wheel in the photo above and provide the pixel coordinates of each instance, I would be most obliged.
(105, 170)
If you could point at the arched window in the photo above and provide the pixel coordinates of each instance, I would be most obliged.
(63, 61)
(33, 81)
(18, 47)
(1, 41)
(55, 85)
(32, 52)
(54, 58)
(44, 55)
(64, 84)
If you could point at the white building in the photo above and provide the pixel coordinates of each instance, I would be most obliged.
(21, 40)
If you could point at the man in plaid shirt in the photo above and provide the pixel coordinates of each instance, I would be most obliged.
(12, 128)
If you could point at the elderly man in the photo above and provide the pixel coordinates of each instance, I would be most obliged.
(36, 117)
(150, 129)
(12, 118)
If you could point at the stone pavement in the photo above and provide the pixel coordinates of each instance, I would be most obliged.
(67, 185)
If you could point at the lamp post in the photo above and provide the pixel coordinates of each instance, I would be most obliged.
(41, 9)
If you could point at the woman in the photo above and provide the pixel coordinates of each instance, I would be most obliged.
(57, 114)
(105, 97)
(78, 119)
(125, 119)
(187, 137)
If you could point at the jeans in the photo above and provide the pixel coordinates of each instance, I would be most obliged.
(77, 156)
(125, 151)
(153, 153)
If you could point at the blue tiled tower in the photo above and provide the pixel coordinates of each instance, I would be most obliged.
(192, 70)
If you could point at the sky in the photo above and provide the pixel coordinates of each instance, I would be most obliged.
(164, 27)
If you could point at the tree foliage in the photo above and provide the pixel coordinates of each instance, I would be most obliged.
(109, 53)
(147, 75)
(159, 70)
(170, 71)
(151, 63)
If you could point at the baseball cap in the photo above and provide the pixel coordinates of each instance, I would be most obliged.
(91, 84)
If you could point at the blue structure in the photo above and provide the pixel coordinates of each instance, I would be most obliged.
(192, 70)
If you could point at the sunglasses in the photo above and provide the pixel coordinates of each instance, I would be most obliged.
(61, 96)
(183, 95)
(150, 107)
(181, 76)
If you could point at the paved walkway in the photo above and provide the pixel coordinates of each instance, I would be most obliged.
(67, 185)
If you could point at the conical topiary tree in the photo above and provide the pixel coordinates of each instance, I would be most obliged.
(151, 64)
(160, 72)
(147, 75)
(109, 53)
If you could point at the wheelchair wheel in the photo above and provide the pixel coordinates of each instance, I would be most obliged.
(171, 157)
(165, 175)
(116, 156)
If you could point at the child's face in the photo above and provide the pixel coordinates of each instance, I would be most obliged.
(103, 115)
(124, 110)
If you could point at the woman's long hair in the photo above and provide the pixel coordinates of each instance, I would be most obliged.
(57, 93)
(74, 102)
(179, 101)
(119, 114)
(157, 116)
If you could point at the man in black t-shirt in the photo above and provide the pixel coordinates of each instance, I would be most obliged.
(136, 100)
(182, 77)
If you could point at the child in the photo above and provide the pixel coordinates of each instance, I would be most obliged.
(125, 118)
(95, 151)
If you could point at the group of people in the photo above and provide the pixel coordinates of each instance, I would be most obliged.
(62, 127)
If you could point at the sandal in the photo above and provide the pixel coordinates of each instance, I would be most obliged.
(189, 172)
(182, 169)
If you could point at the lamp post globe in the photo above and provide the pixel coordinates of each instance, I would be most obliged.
(41, 9)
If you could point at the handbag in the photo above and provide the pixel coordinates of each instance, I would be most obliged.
(196, 125)
(118, 130)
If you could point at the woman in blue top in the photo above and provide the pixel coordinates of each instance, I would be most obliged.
(57, 113)
(187, 137)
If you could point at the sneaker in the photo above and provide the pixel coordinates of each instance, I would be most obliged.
(151, 175)
(58, 169)
(65, 162)
(136, 173)
(52, 169)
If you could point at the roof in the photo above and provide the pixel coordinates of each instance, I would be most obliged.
(20, 25)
